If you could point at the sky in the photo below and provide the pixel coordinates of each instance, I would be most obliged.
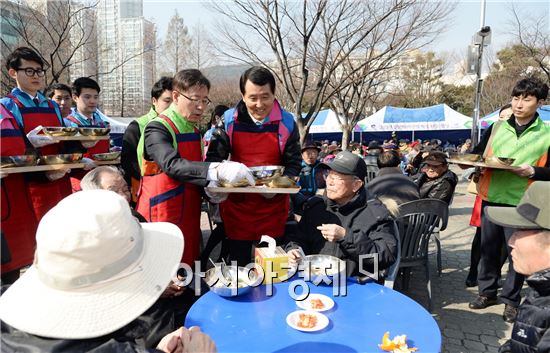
(465, 20)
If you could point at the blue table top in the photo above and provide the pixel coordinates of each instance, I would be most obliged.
(256, 322)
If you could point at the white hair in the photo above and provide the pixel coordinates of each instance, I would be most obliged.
(92, 180)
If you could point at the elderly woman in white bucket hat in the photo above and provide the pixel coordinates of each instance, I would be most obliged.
(96, 270)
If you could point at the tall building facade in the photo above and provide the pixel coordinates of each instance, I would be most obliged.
(126, 51)
(83, 28)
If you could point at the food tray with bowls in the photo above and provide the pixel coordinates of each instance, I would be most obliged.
(18, 161)
(477, 160)
(307, 320)
(269, 180)
(254, 190)
(69, 158)
(77, 134)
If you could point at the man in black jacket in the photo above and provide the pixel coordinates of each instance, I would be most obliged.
(391, 182)
(343, 223)
(436, 180)
(530, 244)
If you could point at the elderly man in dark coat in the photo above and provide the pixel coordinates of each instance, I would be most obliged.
(343, 223)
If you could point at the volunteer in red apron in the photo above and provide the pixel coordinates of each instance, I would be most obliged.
(258, 132)
(170, 156)
(25, 108)
(86, 95)
(18, 219)
(161, 98)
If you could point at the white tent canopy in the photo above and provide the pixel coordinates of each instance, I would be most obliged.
(325, 122)
(437, 117)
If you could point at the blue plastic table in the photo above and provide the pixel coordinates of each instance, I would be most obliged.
(256, 322)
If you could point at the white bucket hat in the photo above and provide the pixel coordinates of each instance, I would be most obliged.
(95, 269)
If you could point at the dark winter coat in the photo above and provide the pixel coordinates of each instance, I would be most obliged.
(530, 332)
(369, 230)
(441, 188)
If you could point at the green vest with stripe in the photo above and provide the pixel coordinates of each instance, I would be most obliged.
(531, 147)
(182, 124)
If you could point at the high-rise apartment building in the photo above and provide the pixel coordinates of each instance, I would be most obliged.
(83, 29)
(126, 67)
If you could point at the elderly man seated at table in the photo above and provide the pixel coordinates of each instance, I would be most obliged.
(343, 223)
(96, 272)
(436, 181)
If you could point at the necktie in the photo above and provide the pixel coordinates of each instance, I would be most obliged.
(36, 101)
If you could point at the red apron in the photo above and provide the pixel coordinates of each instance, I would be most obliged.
(249, 216)
(102, 146)
(163, 199)
(18, 220)
(44, 195)
(475, 220)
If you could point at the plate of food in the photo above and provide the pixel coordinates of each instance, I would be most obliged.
(316, 302)
(307, 320)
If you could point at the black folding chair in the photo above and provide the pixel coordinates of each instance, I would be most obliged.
(416, 221)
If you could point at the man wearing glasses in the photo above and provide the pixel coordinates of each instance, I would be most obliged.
(343, 223)
(258, 132)
(170, 158)
(27, 197)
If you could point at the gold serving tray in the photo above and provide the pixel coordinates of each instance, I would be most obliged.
(482, 164)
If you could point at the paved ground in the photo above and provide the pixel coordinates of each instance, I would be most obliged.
(462, 329)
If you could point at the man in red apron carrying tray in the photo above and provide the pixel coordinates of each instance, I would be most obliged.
(172, 169)
(86, 96)
(27, 197)
(258, 132)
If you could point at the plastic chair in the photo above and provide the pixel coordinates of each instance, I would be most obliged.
(416, 221)
(372, 171)
(394, 269)
(437, 239)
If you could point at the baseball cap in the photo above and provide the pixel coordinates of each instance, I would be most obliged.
(532, 212)
(436, 158)
(308, 145)
(374, 145)
(346, 162)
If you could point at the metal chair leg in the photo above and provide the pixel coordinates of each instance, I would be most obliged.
(438, 249)
(429, 286)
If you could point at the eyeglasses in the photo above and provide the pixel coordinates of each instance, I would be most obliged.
(204, 102)
(338, 179)
(30, 72)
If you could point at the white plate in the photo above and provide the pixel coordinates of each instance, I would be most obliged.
(292, 320)
(306, 303)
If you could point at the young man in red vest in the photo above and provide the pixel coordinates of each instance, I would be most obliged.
(258, 132)
(62, 95)
(27, 197)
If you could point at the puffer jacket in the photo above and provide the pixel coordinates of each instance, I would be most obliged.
(530, 332)
(369, 230)
(441, 188)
